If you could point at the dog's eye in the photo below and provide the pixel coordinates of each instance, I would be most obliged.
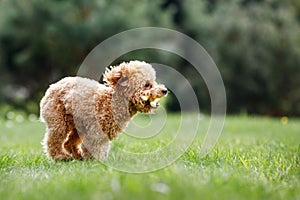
(147, 84)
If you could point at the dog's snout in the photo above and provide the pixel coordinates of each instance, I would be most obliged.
(164, 91)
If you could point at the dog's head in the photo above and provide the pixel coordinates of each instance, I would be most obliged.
(135, 81)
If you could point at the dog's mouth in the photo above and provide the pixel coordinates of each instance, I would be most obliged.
(153, 102)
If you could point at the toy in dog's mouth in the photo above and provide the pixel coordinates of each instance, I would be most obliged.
(151, 98)
(153, 102)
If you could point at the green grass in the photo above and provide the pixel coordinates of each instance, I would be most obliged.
(255, 158)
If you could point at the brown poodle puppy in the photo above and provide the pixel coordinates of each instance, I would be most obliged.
(83, 116)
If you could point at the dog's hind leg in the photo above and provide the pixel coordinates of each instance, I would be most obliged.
(73, 141)
(72, 144)
(53, 113)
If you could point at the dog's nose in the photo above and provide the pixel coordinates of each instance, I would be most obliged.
(164, 91)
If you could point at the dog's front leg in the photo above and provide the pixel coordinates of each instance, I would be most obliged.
(97, 147)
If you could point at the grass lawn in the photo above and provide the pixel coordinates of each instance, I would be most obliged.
(255, 158)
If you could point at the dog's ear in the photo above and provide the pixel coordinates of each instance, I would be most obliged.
(112, 76)
(117, 78)
(123, 87)
(123, 81)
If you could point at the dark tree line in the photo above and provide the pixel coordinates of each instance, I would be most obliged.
(255, 44)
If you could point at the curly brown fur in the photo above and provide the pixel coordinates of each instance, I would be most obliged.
(83, 116)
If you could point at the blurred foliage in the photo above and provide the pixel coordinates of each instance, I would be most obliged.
(255, 44)
(42, 41)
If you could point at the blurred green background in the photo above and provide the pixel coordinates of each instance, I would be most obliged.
(255, 44)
